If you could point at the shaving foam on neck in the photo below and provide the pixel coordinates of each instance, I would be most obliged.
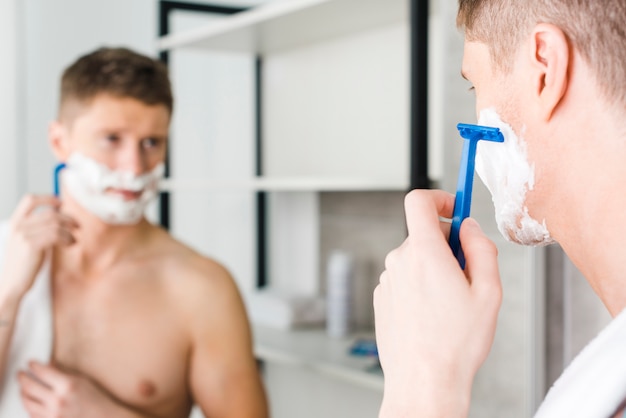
(505, 170)
(88, 182)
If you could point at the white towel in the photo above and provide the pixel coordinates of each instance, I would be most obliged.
(594, 385)
(32, 337)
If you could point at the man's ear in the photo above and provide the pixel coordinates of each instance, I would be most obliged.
(58, 139)
(550, 61)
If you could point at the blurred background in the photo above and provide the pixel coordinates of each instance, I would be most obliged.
(298, 128)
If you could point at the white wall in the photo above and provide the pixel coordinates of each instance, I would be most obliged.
(10, 175)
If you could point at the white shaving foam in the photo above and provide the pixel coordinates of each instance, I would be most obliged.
(505, 170)
(87, 181)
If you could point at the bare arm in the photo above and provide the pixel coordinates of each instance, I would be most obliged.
(31, 233)
(224, 377)
(9, 306)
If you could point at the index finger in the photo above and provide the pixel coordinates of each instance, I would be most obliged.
(31, 202)
(49, 375)
(423, 209)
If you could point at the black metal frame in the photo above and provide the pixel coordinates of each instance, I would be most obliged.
(419, 94)
(419, 111)
(261, 197)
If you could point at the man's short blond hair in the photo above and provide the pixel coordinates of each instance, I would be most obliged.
(595, 28)
(119, 72)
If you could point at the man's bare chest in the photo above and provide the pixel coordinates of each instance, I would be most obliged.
(126, 336)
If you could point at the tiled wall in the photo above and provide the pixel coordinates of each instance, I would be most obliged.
(367, 225)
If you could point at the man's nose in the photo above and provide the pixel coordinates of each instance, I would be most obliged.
(132, 160)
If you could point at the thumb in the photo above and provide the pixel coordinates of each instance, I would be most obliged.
(481, 256)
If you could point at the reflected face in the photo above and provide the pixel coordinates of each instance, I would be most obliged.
(124, 134)
(506, 169)
(114, 149)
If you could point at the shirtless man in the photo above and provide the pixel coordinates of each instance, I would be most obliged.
(143, 326)
(555, 71)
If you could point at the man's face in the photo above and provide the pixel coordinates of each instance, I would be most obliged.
(114, 149)
(509, 170)
(123, 134)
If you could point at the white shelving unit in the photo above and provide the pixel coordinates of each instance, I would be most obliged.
(273, 28)
(282, 185)
(314, 350)
(286, 24)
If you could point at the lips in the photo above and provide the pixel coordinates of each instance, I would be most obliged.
(126, 195)
(116, 197)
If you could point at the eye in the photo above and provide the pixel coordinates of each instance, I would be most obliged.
(113, 138)
(150, 143)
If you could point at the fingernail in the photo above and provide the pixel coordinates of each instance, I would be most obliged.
(471, 223)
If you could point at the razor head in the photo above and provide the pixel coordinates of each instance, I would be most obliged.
(480, 133)
(57, 178)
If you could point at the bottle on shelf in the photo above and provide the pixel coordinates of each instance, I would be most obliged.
(339, 272)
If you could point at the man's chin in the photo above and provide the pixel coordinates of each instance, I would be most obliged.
(531, 235)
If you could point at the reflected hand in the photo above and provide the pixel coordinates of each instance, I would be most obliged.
(49, 393)
(435, 323)
(31, 233)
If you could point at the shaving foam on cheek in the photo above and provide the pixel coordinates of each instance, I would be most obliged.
(88, 181)
(505, 170)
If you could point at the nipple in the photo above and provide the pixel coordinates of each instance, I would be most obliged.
(147, 389)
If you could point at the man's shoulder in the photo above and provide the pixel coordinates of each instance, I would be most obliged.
(191, 276)
(204, 292)
(181, 257)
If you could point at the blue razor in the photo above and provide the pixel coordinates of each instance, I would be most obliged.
(57, 180)
(472, 134)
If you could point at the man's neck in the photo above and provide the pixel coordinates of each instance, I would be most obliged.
(600, 256)
(99, 245)
(592, 224)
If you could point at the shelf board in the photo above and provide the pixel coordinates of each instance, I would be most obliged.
(313, 349)
(282, 184)
(286, 24)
